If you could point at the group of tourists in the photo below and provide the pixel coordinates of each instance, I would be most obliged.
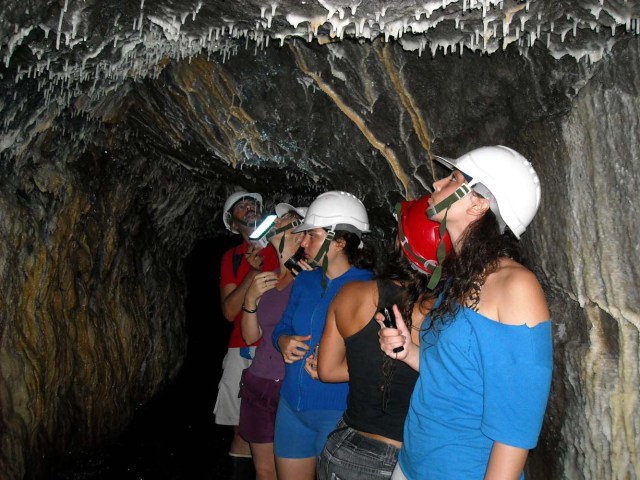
(438, 366)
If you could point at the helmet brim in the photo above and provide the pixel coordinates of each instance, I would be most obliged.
(453, 164)
(449, 163)
(303, 227)
(336, 210)
(283, 208)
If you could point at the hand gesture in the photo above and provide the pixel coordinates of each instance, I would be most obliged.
(262, 282)
(293, 347)
(393, 338)
(311, 366)
(254, 258)
(304, 265)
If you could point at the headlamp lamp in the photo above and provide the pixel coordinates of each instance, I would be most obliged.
(263, 228)
(263, 231)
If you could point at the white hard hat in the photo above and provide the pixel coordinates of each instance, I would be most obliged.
(508, 177)
(283, 208)
(234, 198)
(338, 211)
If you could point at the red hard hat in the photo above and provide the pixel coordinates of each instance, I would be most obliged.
(419, 236)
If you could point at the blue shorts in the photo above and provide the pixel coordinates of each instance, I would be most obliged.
(302, 434)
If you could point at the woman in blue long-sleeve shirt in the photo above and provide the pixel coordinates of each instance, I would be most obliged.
(309, 409)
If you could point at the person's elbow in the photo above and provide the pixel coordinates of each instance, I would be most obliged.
(330, 374)
(324, 373)
(250, 337)
(228, 312)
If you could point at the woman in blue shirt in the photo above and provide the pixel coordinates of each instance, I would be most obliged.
(366, 443)
(485, 354)
(310, 409)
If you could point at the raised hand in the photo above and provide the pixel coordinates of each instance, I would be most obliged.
(392, 338)
(263, 282)
(254, 258)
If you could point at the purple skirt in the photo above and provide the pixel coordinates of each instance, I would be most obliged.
(258, 406)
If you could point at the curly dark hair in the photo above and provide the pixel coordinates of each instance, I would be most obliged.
(464, 272)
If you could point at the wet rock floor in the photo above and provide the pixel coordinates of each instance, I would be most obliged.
(169, 439)
(174, 436)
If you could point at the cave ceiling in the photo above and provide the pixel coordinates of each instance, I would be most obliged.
(125, 125)
(90, 60)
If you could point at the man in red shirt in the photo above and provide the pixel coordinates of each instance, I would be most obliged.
(238, 268)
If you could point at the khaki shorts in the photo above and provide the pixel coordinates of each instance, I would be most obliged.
(227, 409)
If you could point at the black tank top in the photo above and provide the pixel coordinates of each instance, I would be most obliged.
(375, 405)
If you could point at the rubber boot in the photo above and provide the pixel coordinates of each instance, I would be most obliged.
(242, 468)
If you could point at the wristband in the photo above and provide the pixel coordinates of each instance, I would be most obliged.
(245, 309)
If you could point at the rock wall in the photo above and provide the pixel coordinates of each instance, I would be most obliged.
(588, 240)
(103, 201)
(91, 323)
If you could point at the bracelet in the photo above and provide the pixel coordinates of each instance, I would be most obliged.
(245, 309)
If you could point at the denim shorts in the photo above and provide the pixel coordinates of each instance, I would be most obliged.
(349, 455)
(302, 434)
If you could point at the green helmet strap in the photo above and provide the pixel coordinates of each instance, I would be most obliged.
(324, 248)
(321, 260)
(281, 245)
(460, 192)
(277, 231)
(441, 254)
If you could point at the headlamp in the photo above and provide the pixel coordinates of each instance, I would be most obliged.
(263, 228)
(263, 231)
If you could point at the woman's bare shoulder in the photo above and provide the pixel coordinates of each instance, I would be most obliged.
(353, 306)
(364, 288)
(520, 296)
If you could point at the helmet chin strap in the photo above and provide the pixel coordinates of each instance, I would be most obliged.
(277, 231)
(460, 192)
(242, 223)
(428, 264)
(321, 260)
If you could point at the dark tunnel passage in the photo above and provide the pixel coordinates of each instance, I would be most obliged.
(174, 436)
(124, 127)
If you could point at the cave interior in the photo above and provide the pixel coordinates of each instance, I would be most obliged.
(125, 126)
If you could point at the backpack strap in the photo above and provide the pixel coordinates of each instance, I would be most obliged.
(236, 261)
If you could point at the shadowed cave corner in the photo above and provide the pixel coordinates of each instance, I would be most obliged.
(174, 436)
